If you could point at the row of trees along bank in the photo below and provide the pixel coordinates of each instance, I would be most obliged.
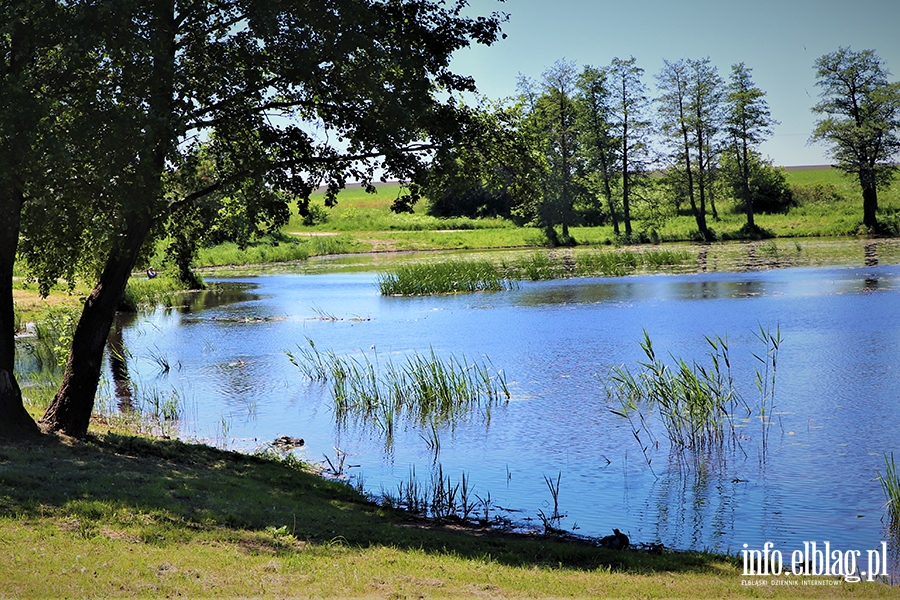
(591, 139)
(123, 122)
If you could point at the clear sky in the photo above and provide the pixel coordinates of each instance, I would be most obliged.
(778, 39)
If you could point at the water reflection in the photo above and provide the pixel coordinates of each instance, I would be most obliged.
(118, 361)
(702, 260)
(645, 289)
(871, 254)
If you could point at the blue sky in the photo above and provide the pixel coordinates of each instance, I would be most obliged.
(779, 40)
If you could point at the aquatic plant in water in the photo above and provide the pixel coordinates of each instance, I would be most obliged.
(444, 278)
(429, 391)
(482, 275)
(890, 484)
(765, 383)
(441, 498)
(696, 403)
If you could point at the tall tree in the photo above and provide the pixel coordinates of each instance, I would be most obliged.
(284, 95)
(674, 114)
(860, 119)
(748, 123)
(598, 142)
(630, 126)
(40, 55)
(552, 116)
(707, 93)
(20, 114)
(690, 106)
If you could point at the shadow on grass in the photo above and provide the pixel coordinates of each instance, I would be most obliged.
(164, 492)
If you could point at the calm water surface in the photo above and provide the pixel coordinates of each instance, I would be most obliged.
(837, 393)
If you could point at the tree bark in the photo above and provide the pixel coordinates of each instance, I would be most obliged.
(14, 419)
(607, 191)
(70, 411)
(744, 165)
(626, 187)
(870, 199)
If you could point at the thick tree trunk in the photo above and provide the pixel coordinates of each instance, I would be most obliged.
(699, 215)
(701, 185)
(70, 411)
(607, 191)
(748, 204)
(14, 419)
(870, 199)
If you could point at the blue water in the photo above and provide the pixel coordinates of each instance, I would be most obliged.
(837, 387)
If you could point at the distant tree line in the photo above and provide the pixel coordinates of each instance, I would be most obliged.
(586, 146)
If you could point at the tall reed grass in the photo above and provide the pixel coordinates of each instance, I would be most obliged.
(163, 290)
(890, 484)
(444, 278)
(440, 498)
(765, 383)
(697, 404)
(430, 392)
(480, 275)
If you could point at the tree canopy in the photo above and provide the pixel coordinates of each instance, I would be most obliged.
(860, 120)
(748, 123)
(242, 98)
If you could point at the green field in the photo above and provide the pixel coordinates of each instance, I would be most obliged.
(367, 219)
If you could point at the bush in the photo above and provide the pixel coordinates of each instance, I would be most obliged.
(316, 215)
(476, 202)
(815, 193)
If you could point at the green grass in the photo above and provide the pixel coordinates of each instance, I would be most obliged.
(125, 516)
(360, 212)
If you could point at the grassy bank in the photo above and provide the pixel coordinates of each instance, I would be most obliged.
(126, 516)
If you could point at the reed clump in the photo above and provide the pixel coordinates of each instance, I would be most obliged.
(444, 278)
(695, 402)
(483, 275)
(429, 391)
(542, 266)
(890, 484)
(441, 498)
(165, 290)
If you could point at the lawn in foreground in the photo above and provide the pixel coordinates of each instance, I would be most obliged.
(118, 515)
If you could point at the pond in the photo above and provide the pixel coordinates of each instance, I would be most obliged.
(836, 409)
